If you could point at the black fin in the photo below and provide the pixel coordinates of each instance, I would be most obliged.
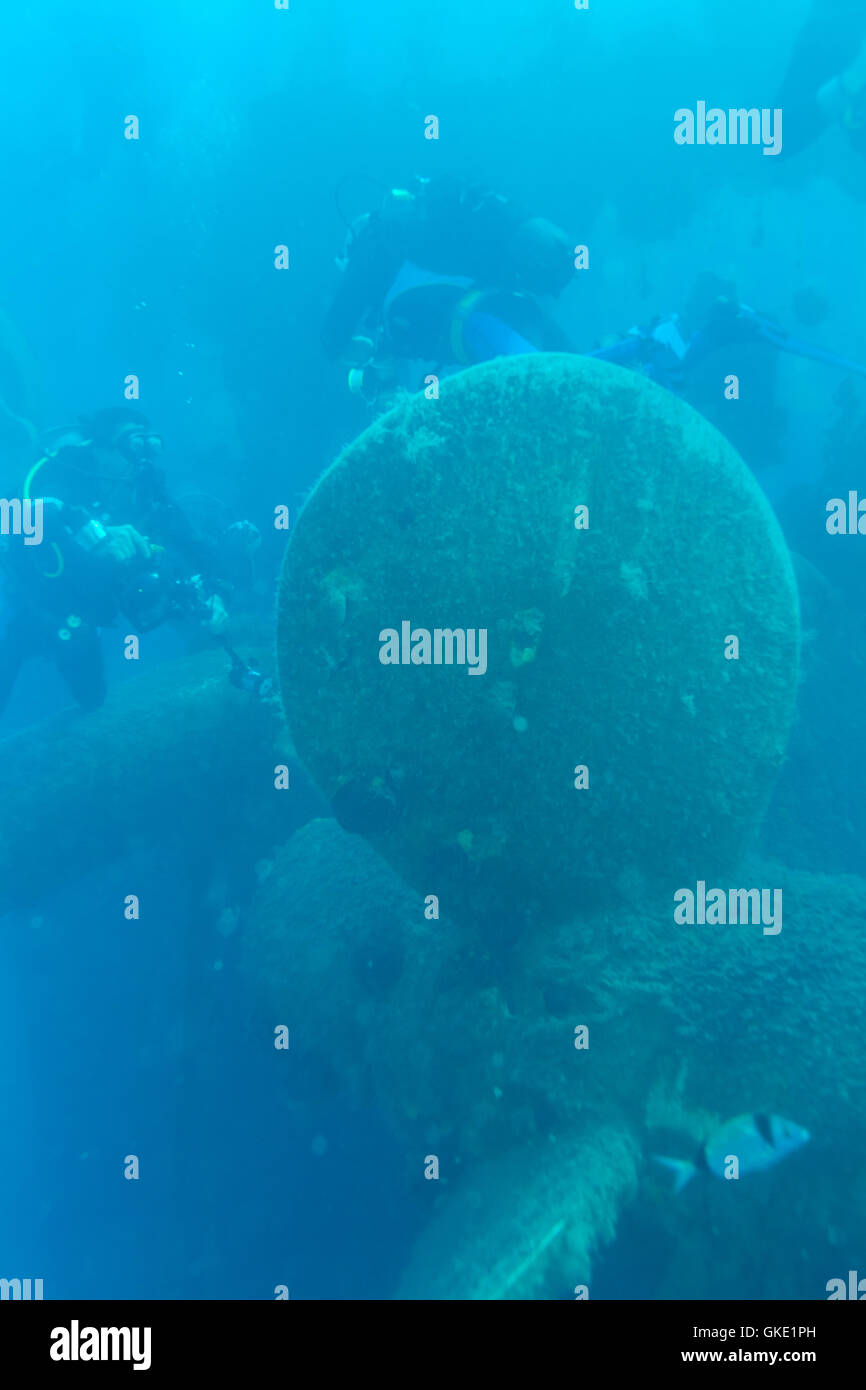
(765, 1129)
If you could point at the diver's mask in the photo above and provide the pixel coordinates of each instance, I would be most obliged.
(139, 447)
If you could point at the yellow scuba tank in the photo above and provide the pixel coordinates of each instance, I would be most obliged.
(466, 306)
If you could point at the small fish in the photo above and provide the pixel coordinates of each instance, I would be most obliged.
(757, 1141)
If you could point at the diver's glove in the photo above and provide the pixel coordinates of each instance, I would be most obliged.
(123, 545)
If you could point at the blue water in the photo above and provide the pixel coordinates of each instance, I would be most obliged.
(259, 127)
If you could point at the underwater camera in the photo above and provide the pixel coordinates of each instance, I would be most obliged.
(152, 599)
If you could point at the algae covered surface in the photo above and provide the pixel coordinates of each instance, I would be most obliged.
(610, 542)
(624, 736)
(432, 829)
(469, 1051)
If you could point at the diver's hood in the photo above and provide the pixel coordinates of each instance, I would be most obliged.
(62, 437)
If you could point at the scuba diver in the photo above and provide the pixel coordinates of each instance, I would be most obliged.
(825, 83)
(447, 274)
(113, 542)
(728, 338)
(444, 274)
(660, 351)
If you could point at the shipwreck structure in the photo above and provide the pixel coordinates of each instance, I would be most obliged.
(494, 960)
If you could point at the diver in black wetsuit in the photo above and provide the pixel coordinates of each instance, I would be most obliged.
(445, 272)
(825, 83)
(114, 542)
(660, 351)
(727, 338)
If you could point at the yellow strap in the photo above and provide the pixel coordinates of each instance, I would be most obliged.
(461, 314)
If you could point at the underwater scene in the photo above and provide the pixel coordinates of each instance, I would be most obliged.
(433, 650)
